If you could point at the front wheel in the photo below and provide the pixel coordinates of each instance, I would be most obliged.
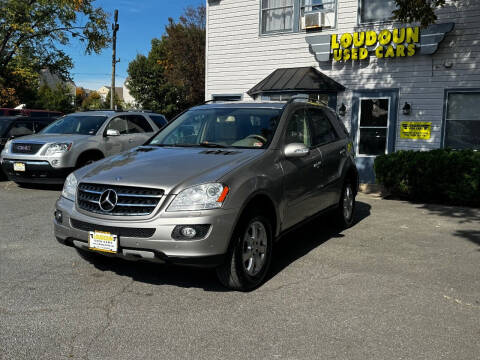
(249, 258)
(346, 207)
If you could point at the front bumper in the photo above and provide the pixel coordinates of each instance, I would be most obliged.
(160, 247)
(36, 171)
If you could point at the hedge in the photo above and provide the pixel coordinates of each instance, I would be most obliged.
(439, 176)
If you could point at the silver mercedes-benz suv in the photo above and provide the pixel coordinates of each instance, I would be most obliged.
(216, 187)
(74, 141)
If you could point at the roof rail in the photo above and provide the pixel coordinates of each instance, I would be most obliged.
(141, 110)
(102, 110)
(299, 98)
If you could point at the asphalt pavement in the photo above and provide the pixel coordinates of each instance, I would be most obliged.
(403, 283)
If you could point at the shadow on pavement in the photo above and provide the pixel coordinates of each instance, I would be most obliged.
(308, 237)
(464, 215)
(289, 249)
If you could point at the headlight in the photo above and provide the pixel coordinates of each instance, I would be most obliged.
(200, 197)
(70, 187)
(58, 148)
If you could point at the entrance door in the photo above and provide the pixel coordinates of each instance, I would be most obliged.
(374, 118)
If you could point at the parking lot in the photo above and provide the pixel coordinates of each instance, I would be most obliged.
(403, 283)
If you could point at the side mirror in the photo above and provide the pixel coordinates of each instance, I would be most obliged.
(112, 132)
(296, 150)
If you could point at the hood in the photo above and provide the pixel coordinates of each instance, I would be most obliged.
(51, 138)
(170, 169)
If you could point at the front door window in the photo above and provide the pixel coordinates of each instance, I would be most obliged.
(374, 114)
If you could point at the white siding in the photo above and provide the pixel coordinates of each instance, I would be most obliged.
(238, 57)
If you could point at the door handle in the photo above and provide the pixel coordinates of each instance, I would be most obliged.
(317, 164)
(130, 140)
(343, 152)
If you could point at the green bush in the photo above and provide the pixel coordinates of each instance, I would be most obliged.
(440, 176)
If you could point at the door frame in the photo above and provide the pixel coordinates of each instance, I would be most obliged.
(357, 135)
(365, 162)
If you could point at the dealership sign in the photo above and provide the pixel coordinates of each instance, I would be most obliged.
(383, 44)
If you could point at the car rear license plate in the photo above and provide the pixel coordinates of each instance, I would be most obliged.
(103, 241)
(19, 167)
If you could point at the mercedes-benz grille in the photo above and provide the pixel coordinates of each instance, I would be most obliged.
(118, 200)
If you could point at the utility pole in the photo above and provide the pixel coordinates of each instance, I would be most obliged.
(115, 28)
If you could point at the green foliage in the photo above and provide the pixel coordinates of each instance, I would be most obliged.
(422, 11)
(32, 33)
(59, 98)
(441, 176)
(172, 77)
(92, 102)
(117, 102)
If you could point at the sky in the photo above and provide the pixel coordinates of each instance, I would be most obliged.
(140, 21)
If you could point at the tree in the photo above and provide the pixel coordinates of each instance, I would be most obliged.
(55, 99)
(8, 97)
(117, 102)
(422, 11)
(171, 78)
(32, 33)
(184, 44)
(92, 102)
(80, 95)
(40, 27)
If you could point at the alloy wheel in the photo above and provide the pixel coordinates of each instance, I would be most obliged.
(255, 243)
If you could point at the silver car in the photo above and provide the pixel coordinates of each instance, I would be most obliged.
(74, 141)
(216, 187)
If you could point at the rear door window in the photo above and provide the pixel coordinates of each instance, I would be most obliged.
(159, 120)
(323, 131)
(137, 124)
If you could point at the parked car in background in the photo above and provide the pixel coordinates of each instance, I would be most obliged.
(216, 187)
(12, 127)
(73, 141)
(29, 112)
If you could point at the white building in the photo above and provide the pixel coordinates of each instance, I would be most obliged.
(104, 90)
(396, 86)
(127, 97)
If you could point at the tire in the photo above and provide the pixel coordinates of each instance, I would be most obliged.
(345, 213)
(245, 275)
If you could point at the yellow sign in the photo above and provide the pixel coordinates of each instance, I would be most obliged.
(415, 130)
(385, 43)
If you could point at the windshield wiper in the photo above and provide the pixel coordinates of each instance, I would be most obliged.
(211, 145)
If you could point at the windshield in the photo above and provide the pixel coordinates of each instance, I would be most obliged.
(76, 124)
(226, 127)
(4, 124)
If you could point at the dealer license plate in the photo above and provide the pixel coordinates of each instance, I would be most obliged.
(103, 241)
(19, 167)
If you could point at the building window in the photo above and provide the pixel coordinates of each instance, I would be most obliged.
(308, 6)
(277, 16)
(373, 129)
(376, 10)
(462, 123)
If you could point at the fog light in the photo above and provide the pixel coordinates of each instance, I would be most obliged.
(189, 232)
(58, 216)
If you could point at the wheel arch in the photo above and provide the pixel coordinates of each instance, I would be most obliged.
(90, 153)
